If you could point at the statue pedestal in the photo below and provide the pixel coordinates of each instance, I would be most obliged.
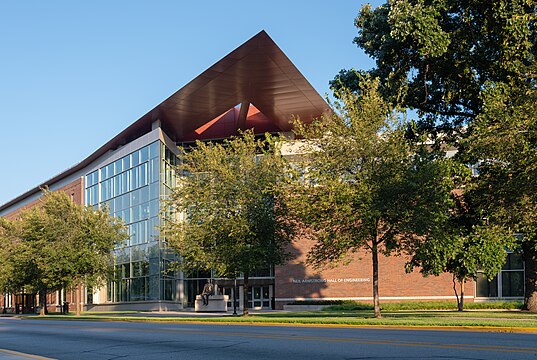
(217, 303)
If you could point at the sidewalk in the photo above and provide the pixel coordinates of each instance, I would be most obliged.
(191, 313)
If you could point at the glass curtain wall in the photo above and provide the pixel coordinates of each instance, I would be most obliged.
(131, 188)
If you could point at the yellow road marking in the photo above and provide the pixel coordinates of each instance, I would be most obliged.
(363, 341)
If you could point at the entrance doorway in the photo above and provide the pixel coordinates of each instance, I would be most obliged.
(25, 303)
(259, 297)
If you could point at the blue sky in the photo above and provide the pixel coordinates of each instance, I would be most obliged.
(73, 74)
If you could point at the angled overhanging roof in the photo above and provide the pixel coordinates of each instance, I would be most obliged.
(257, 72)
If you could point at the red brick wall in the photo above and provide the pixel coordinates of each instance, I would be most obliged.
(355, 279)
(74, 189)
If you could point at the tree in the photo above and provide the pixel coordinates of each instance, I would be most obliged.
(60, 244)
(503, 141)
(367, 187)
(6, 245)
(463, 254)
(437, 56)
(466, 62)
(233, 220)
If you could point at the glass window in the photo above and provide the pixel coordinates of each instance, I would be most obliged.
(107, 189)
(512, 283)
(104, 173)
(508, 283)
(133, 234)
(135, 197)
(87, 197)
(133, 178)
(118, 166)
(144, 212)
(513, 262)
(118, 204)
(143, 174)
(154, 150)
(154, 190)
(154, 170)
(117, 185)
(107, 171)
(92, 179)
(125, 215)
(126, 201)
(125, 182)
(486, 288)
(136, 213)
(135, 158)
(92, 195)
(153, 227)
(144, 154)
(154, 207)
(144, 194)
(126, 162)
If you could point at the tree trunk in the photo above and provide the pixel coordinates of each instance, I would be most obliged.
(376, 300)
(245, 296)
(43, 301)
(530, 295)
(460, 300)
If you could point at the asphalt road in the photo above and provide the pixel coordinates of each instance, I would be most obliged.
(113, 340)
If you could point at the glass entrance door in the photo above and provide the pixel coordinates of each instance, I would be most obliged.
(259, 297)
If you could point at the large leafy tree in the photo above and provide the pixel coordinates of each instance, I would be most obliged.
(466, 63)
(366, 187)
(437, 55)
(503, 141)
(59, 244)
(230, 215)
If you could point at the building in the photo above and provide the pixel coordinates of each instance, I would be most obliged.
(254, 87)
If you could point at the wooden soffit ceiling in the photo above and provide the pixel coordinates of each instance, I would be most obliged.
(257, 72)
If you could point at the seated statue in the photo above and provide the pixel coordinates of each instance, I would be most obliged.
(206, 292)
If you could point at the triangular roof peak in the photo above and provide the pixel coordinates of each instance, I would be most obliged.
(257, 72)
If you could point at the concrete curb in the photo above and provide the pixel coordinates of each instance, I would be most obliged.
(253, 323)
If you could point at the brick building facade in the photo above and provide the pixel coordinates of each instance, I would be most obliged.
(254, 87)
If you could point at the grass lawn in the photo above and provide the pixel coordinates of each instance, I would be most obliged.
(503, 320)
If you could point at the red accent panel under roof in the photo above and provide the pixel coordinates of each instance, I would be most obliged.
(225, 125)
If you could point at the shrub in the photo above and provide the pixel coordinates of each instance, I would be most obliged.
(424, 305)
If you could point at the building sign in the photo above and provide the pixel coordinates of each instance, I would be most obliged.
(338, 280)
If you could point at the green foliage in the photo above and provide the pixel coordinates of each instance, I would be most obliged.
(425, 305)
(503, 139)
(231, 217)
(59, 244)
(7, 243)
(482, 249)
(366, 186)
(436, 56)
(466, 62)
